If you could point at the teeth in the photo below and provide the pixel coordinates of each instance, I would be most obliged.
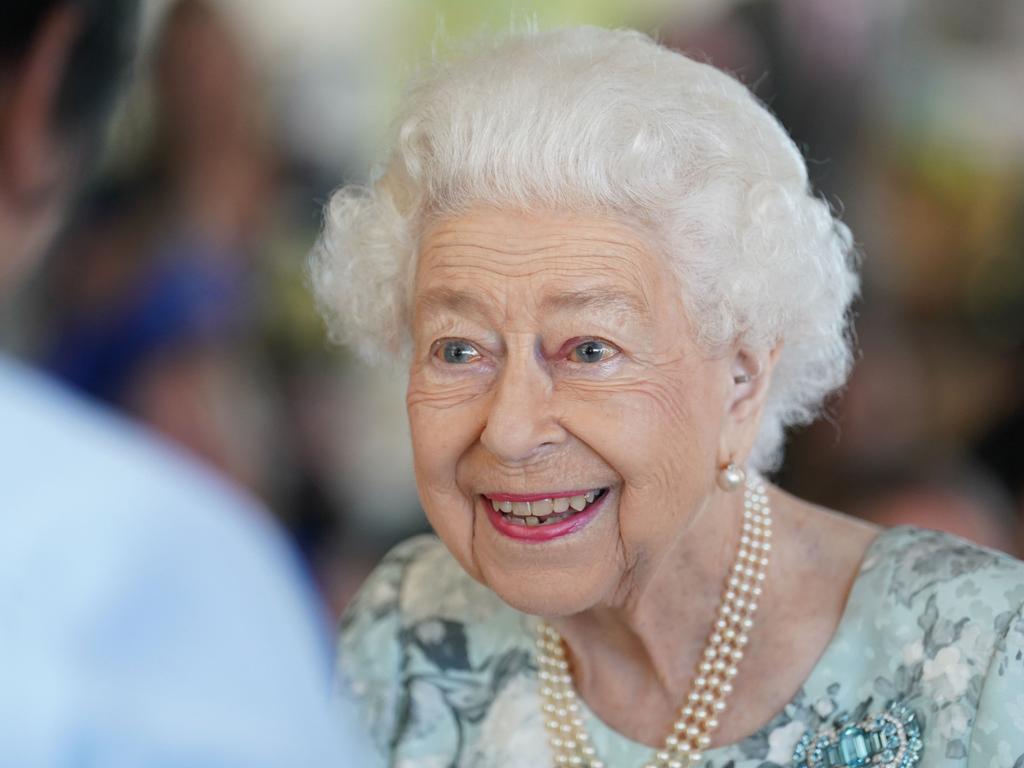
(541, 508)
(544, 510)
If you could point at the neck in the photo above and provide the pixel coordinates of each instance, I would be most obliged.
(653, 633)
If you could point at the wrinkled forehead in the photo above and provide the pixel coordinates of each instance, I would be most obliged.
(553, 261)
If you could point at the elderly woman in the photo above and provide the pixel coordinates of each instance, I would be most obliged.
(615, 292)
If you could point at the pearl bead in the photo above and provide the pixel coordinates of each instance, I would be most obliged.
(710, 687)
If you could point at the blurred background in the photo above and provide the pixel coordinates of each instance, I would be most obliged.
(178, 294)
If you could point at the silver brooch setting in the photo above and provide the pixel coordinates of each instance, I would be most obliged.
(891, 739)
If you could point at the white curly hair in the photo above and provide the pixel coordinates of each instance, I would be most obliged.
(596, 120)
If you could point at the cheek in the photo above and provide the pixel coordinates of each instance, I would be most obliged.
(443, 421)
(443, 428)
(660, 435)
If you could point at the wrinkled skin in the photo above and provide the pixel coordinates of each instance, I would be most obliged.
(553, 352)
(524, 415)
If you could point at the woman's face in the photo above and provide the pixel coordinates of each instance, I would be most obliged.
(555, 376)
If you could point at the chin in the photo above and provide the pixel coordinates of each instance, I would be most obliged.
(545, 594)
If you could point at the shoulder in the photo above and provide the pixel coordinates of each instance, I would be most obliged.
(425, 650)
(76, 472)
(112, 545)
(418, 587)
(56, 442)
(915, 566)
(116, 506)
(944, 618)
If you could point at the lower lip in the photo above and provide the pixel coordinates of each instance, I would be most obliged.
(537, 533)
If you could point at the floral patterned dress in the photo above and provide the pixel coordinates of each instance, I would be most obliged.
(445, 673)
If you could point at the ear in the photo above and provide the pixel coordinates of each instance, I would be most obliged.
(750, 375)
(32, 164)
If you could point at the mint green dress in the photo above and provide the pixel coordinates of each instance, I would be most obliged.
(445, 672)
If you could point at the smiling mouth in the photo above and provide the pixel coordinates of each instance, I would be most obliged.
(544, 511)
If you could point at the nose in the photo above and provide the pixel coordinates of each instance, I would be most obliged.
(521, 424)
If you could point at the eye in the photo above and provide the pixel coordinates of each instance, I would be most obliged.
(456, 352)
(592, 351)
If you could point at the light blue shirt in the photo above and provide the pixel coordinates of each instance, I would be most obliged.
(149, 615)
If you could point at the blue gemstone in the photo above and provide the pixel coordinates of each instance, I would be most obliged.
(888, 756)
(875, 740)
(832, 756)
(916, 745)
(853, 747)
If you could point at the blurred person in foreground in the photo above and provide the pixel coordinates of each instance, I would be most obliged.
(615, 292)
(152, 616)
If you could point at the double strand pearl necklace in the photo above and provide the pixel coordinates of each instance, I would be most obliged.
(699, 716)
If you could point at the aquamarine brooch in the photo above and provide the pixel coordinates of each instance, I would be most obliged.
(889, 740)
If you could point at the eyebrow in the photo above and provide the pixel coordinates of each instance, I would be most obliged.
(444, 299)
(602, 299)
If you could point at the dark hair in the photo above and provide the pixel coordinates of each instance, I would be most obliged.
(98, 59)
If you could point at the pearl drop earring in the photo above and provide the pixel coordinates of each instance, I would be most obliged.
(731, 477)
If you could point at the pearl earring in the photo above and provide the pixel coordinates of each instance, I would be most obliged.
(731, 477)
